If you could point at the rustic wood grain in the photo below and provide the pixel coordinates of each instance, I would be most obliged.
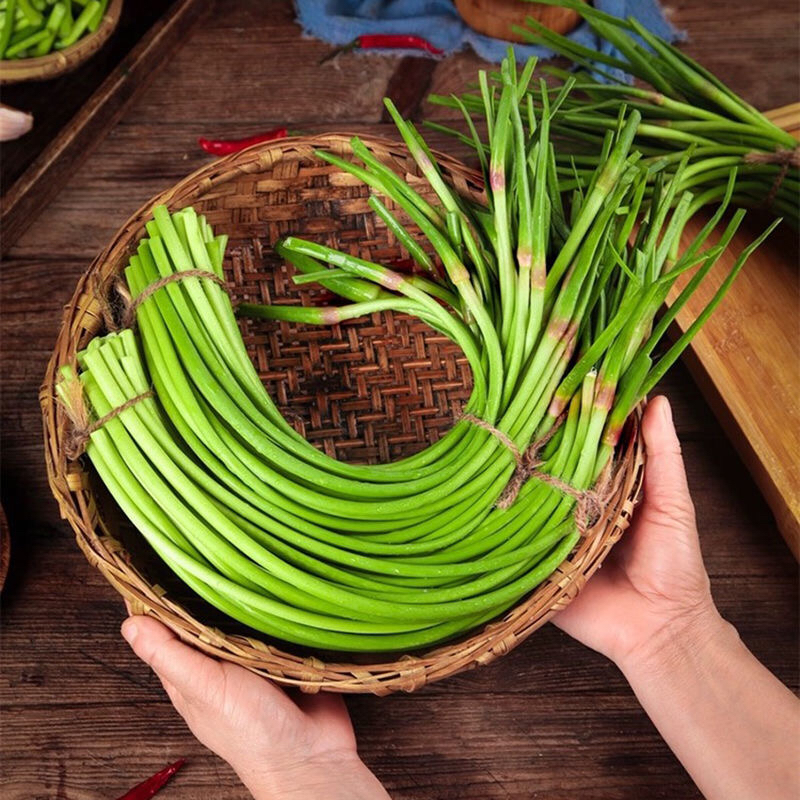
(409, 86)
(84, 720)
(746, 362)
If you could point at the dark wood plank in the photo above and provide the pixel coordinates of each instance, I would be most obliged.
(275, 74)
(409, 86)
(83, 718)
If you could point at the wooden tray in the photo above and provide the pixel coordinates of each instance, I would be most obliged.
(74, 112)
(746, 359)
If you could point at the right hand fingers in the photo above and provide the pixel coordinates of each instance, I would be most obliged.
(666, 491)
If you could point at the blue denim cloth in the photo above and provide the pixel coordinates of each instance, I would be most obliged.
(340, 21)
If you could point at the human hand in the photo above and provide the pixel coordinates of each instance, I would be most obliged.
(653, 586)
(280, 747)
(731, 723)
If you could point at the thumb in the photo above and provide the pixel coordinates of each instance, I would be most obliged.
(173, 661)
(666, 490)
(191, 676)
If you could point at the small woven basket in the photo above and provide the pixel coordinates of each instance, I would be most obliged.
(368, 390)
(59, 62)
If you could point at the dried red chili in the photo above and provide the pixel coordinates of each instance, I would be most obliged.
(146, 789)
(396, 41)
(388, 41)
(223, 147)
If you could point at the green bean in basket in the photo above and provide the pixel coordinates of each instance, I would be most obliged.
(33, 28)
(554, 307)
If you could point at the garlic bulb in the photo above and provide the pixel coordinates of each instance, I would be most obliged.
(13, 123)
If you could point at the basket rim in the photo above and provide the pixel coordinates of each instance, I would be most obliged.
(60, 62)
(69, 483)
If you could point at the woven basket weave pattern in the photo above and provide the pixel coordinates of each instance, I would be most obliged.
(59, 62)
(368, 390)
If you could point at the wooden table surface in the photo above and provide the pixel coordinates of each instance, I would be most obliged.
(84, 720)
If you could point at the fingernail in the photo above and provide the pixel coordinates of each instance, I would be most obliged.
(666, 411)
(130, 632)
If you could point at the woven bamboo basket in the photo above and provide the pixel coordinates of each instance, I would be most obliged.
(59, 62)
(368, 390)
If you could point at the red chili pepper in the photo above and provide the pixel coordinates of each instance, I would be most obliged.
(396, 41)
(389, 41)
(146, 789)
(223, 147)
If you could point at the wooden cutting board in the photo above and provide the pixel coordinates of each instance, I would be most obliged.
(746, 359)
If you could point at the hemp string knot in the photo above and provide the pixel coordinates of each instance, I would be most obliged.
(118, 308)
(589, 504)
(783, 157)
(82, 429)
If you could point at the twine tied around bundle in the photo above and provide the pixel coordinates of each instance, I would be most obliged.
(121, 314)
(590, 503)
(82, 429)
(783, 157)
(118, 308)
